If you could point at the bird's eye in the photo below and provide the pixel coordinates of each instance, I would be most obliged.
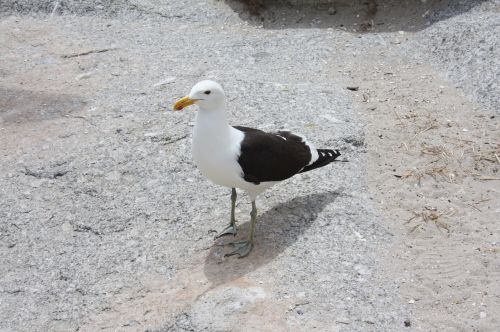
(207, 92)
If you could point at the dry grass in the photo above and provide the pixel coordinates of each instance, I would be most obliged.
(430, 122)
(436, 172)
(430, 215)
(454, 158)
(491, 155)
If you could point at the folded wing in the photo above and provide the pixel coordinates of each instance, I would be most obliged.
(272, 156)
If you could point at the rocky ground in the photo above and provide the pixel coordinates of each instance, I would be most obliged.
(106, 223)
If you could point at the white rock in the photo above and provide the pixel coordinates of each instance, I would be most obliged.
(362, 269)
(165, 81)
(83, 76)
(152, 134)
(331, 118)
(113, 176)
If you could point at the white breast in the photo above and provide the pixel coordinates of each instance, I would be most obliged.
(215, 153)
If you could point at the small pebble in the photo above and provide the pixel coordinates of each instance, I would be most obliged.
(407, 323)
(83, 76)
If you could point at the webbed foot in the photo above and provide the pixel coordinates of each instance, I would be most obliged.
(229, 230)
(242, 248)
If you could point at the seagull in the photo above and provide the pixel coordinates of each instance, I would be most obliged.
(245, 158)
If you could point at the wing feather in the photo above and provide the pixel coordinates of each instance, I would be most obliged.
(271, 156)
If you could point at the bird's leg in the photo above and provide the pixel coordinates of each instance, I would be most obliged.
(233, 207)
(243, 248)
(231, 228)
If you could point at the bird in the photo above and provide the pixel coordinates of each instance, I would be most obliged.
(245, 158)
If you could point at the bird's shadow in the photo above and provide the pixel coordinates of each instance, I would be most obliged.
(276, 230)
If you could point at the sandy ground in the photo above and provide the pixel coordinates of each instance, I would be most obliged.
(106, 223)
(436, 179)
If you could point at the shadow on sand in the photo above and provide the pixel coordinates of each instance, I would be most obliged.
(362, 16)
(20, 106)
(276, 230)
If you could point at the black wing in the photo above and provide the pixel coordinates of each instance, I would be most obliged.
(271, 156)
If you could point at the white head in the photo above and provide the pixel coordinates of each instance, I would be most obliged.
(208, 95)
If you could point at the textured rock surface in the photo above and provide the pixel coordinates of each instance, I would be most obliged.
(467, 49)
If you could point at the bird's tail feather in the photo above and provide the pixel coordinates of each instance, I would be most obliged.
(325, 157)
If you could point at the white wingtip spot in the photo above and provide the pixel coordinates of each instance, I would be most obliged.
(314, 152)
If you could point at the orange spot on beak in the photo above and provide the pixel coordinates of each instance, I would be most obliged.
(183, 102)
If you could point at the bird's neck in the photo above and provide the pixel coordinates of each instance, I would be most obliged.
(212, 124)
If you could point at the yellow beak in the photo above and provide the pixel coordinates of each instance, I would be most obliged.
(183, 102)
